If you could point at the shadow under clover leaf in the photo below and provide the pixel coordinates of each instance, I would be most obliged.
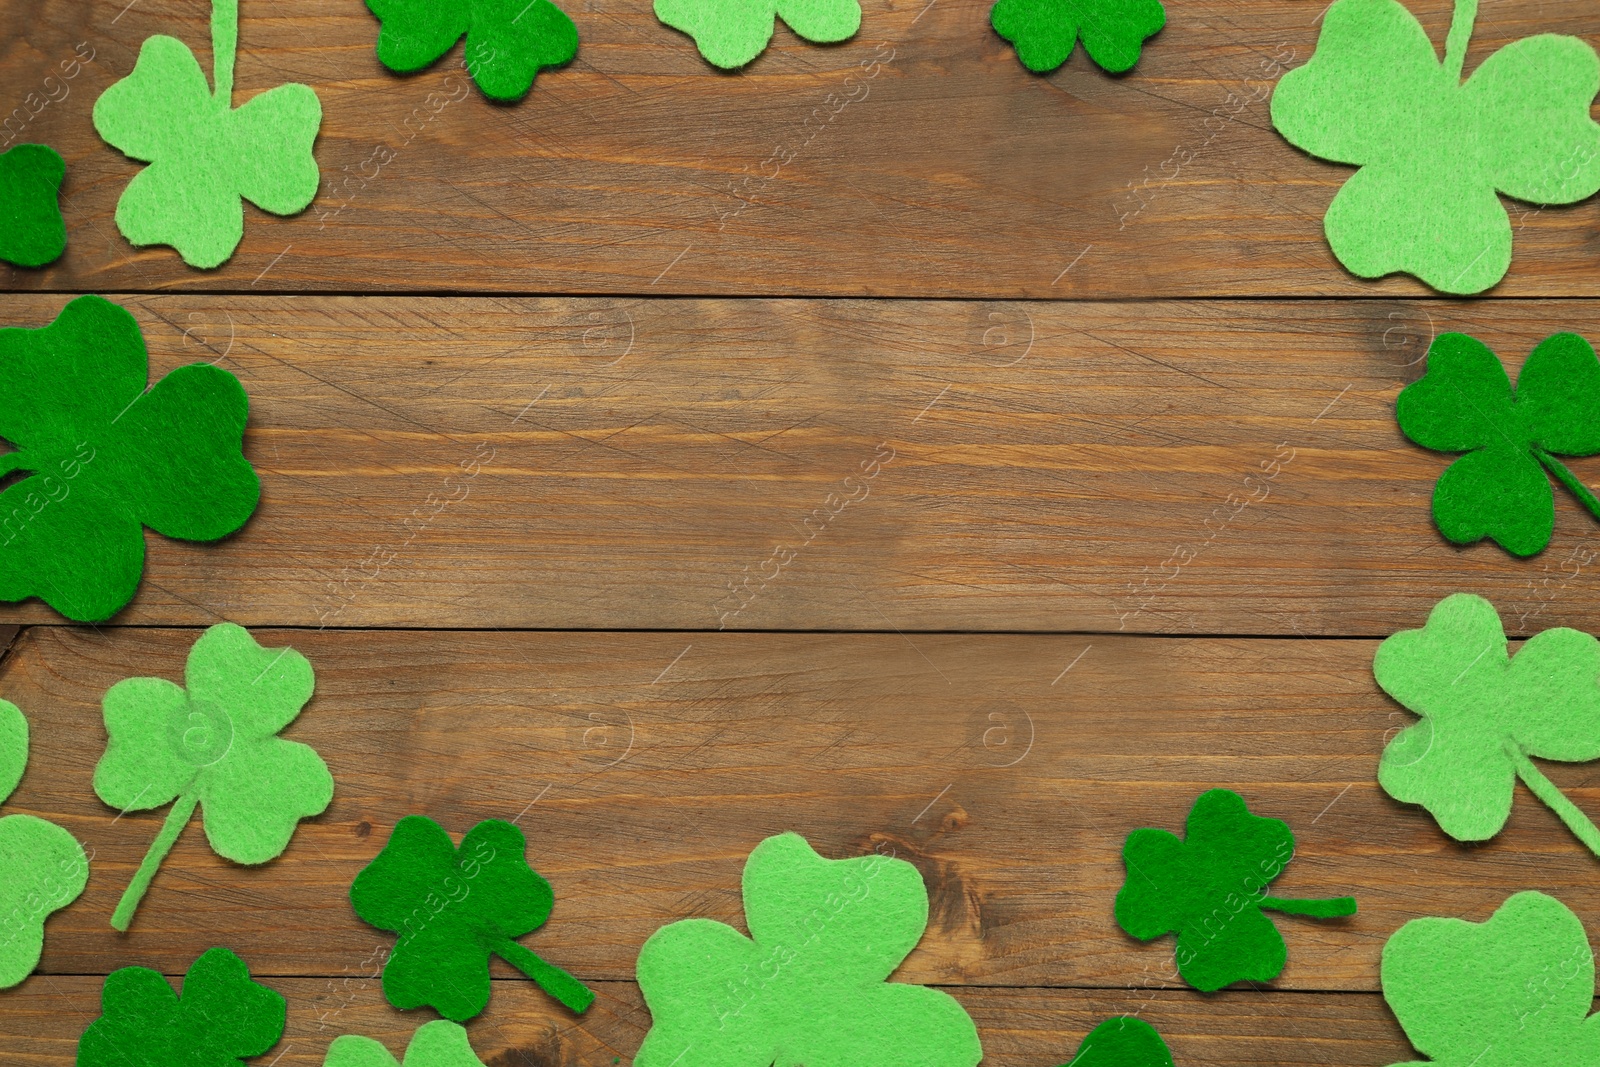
(214, 744)
(453, 910)
(1519, 985)
(108, 453)
(1465, 403)
(1210, 889)
(1484, 713)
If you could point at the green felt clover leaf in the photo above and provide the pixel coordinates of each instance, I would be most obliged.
(1045, 31)
(221, 1018)
(1210, 889)
(730, 33)
(1434, 151)
(809, 985)
(508, 41)
(107, 455)
(45, 866)
(440, 1043)
(205, 154)
(1510, 992)
(1465, 403)
(1484, 713)
(453, 910)
(214, 743)
(31, 231)
(1124, 1041)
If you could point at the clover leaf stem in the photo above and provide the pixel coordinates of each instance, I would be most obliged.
(1455, 45)
(1570, 480)
(1317, 909)
(224, 43)
(1557, 801)
(550, 978)
(176, 820)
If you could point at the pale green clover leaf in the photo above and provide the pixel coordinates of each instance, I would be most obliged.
(1434, 151)
(808, 986)
(213, 743)
(730, 33)
(1510, 992)
(204, 154)
(1484, 713)
(440, 1043)
(45, 868)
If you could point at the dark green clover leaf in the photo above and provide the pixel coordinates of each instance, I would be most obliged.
(507, 40)
(1124, 1041)
(31, 231)
(1045, 31)
(1210, 889)
(453, 910)
(107, 455)
(1465, 403)
(223, 1017)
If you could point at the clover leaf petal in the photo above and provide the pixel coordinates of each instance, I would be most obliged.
(106, 456)
(1484, 713)
(46, 868)
(731, 33)
(508, 41)
(1210, 889)
(214, 745)
(440, 1043)
(1375, 95)
(809, 984)
(1122, 1041)
(1045, 31)
(221, 1018)
(1519, 984)
(453, 908)
(204, 155)
(1465, 403)
(31, 231)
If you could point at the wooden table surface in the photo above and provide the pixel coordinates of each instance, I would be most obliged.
(1043, 620)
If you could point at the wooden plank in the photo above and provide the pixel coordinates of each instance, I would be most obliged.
(918, 160)
(576, 464)
(645, 766)
(1019, 1028)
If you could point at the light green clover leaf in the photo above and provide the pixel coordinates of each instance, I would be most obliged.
(45, 867)
(808, 986)
(1510, 992)
(1434, 151)
(214, 744)
(204, 154)
(1484, 713)
(730, 33)
(440, 1043)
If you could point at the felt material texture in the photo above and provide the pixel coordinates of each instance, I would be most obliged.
(1465, 403)
(1123, 1041)
(213, 743)
(1045, 31)
(453, 909)
(221, 1018)
(1510, 992)
(1434, 151)
(440, 1043)
(204, 154)
(1210, 890)
(107, 456)
(508, 41)
(45, 867)
(809, 985)
(730, 33)
(31, 231)
(1484, 713)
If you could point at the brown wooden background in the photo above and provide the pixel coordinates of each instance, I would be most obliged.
(666, 353)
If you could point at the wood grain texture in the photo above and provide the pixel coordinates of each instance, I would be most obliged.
(948, 171)
(1019, 1028)
(690, 464)
(644, 767)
